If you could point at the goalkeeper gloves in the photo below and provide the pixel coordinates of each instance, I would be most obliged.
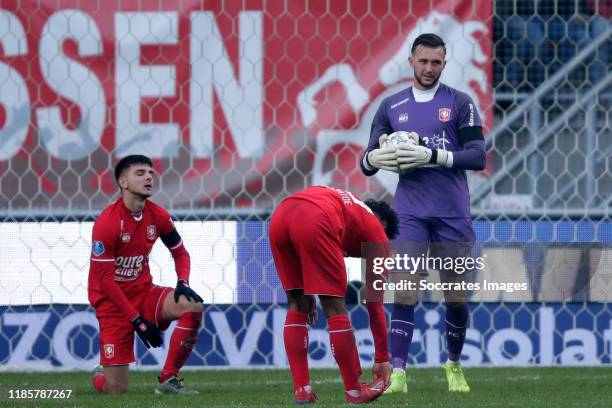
(412, 156)
(383, 158)
(183, 289)
(148, 332)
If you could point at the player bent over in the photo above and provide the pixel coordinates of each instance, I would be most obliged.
(121, 288)
(310, 233)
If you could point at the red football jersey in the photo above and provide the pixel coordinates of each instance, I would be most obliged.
(358, 222)
(125, 241)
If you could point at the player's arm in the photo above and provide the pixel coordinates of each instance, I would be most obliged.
(103, 271)
(375, 158)
(472, 157)
(182, 263)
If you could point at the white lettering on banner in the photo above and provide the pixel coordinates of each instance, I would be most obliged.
(278, 350)
(579, 346)
(34, 323)
(357, 95)
(241, 99)
(235, 356)
(65, 353)
(75, 82)
(471, 355)
(14, 97)
(547, 327)
(499, 356)
(607, 338)
(584, 353)
(134, 81)
(432, 338)
(320, 339)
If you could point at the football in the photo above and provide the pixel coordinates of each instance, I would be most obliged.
(401, 137)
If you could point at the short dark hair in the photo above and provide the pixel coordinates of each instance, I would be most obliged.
(429, 40)
(129, 161)
(387, 215)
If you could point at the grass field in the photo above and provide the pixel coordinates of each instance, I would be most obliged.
(491, 387)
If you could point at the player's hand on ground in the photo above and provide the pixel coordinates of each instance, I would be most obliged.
(383, 158)
(312, 310)
(382, 371)
(148, 332)
(183, 289)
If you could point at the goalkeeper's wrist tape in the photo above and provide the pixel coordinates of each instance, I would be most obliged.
(441, 157)
(366, 161)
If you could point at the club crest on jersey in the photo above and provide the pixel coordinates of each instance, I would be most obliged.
(109, 350)
(151, 232)
(403, 118)
(444, 114)
(97, 248)
(125, 237)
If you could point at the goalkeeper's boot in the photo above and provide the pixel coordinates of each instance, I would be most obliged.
(173, 386)
(304, 395)
(397, 383)
(455, 378)
(368, 392)
(98, 378)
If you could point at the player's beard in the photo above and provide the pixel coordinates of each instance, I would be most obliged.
(418, 79)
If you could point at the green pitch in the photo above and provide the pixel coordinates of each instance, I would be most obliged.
(491, 387)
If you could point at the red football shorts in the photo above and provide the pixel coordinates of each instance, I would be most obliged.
(117, 333)
(307, 248)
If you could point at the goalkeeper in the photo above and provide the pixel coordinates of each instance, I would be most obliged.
(121, 288)
(432, 197)
(310, 233)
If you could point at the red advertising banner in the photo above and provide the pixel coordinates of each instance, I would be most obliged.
(238, 103)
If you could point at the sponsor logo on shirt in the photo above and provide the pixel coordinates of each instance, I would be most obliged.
(128, 267)
(97, 248)
(471, 122)
(403, 101)
(109, 350)
(403, 117)
(444, 114)
(125, 237)
(151, 232)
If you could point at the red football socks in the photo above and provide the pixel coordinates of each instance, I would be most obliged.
(344, 350)
(182, 341)
(295, 335)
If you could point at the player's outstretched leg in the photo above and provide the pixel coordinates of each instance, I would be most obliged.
(456, 325)
(183, 339)
(402, 326)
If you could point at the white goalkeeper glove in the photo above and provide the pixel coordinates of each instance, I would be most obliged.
(383, 158)
(411, 156)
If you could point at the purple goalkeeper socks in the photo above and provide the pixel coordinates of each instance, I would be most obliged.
(456, 325)
(402, 326)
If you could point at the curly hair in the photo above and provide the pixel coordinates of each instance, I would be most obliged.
(386, 215)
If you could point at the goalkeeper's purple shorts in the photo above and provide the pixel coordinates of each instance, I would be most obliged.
(117, 333)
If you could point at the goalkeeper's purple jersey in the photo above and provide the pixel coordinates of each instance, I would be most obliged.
(431, 190)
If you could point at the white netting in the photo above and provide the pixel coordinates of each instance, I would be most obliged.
(240, 105)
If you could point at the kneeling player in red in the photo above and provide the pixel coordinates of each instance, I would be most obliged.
(310, 233)
(121, 288)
